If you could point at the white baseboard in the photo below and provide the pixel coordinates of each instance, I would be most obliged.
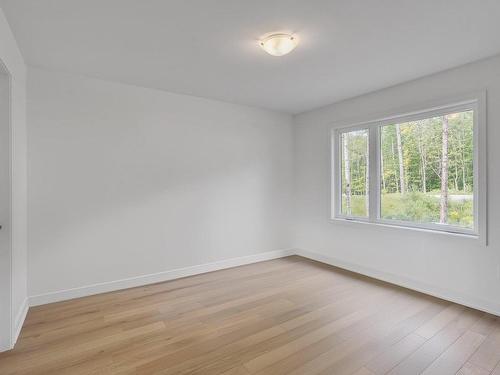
(491, 307)
(19, 321)
(17, 324)
(62, 295)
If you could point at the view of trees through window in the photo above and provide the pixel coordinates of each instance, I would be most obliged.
(355, 174)
(426, 171)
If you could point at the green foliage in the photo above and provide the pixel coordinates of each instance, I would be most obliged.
(422, 148)
(413, 206)
(418, 208)
(358, 207)
(424, 208)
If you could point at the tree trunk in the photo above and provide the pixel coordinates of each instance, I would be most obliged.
(462, 153)
(347, 172)
(443, 217)
(367, 176)
(455, 176)
(424, 176)
(382, 169)
(423, 160)
(464, 179)
(394, 165)
(400, 156)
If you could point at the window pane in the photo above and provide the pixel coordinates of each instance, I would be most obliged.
(427, 170)
(354, 178)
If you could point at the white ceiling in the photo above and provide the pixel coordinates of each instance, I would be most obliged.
(208, 48)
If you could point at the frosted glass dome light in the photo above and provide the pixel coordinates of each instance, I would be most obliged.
(279, 44)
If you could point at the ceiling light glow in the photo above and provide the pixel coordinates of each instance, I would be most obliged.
(279, 44)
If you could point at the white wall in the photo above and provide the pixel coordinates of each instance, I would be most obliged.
(452, 267)
(127, 181)
(13, 260)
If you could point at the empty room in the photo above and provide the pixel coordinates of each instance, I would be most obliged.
(231, 187)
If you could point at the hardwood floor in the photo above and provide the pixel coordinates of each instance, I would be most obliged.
(286, 316)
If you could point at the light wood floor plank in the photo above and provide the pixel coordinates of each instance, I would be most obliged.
(363, 371)
(439, 321)
(496, 370)
(395, 354)
(418, 361)
(488, 353)
(472, 369)
(454, 358)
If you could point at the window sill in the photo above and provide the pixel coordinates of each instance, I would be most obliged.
(355, 221)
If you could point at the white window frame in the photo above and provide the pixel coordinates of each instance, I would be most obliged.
(475, 102)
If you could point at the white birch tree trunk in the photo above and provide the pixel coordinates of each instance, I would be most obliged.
(443, 215)
(396, 179)
(400, 156)
(382, 169)
(423, 159)
(367, 176)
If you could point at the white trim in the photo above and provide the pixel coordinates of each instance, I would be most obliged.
(492, 307)
(397, 226)
(11, 205)
(20, 318)
(374, 173)
(6, 344)
(62, 295)
(473, 101)
(417, 108)
(481, 165)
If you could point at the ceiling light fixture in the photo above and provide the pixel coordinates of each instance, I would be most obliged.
(279, 44)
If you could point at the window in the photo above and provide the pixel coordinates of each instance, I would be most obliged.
(417, 170)
(355, 173)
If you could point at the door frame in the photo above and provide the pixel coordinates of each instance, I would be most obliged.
(6, 313)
